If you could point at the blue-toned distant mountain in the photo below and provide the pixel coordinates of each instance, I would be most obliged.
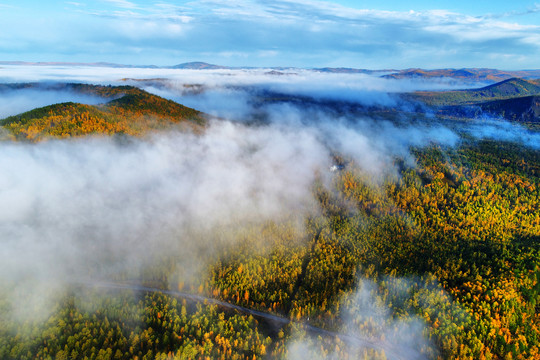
(465, 74)
(199, 65)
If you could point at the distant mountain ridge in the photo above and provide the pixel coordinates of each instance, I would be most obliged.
(199, 65)
(465, 74)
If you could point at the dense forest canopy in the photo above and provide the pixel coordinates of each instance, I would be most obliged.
(381, 231)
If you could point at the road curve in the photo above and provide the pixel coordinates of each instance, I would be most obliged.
(401, 353)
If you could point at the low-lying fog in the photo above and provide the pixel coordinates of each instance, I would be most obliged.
(70, 206)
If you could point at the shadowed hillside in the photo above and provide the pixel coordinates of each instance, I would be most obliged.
(524, 109)
(514, 87)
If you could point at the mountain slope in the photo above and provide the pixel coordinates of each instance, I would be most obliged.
(523, 109)
(131, 111)
(507, 88)
(514, 87)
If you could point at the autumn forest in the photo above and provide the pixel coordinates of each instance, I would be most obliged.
(430, 250)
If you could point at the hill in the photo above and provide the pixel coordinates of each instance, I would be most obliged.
(420, 73)
(468, 74)
(522, 109)
(130, 111)
(198, 65)
(505, 89)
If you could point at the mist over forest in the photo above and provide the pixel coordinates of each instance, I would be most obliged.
(370, 223)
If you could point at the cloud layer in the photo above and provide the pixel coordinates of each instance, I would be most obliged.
(19, 101)
(98, 207)
(370, 328)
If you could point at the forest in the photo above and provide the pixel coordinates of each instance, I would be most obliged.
(437, 260)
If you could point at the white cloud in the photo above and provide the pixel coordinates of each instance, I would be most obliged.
(69, 205)
(18, 101)
(370, 323)
(121, 3)
(75, 3)
(280, 32)
(147, 29)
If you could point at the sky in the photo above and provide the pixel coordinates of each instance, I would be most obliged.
(369, 34)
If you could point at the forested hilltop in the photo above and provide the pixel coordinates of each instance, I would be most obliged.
(125, 110)
(439, 259)
(513, 99)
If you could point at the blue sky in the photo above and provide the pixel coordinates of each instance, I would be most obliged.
(305, 33)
